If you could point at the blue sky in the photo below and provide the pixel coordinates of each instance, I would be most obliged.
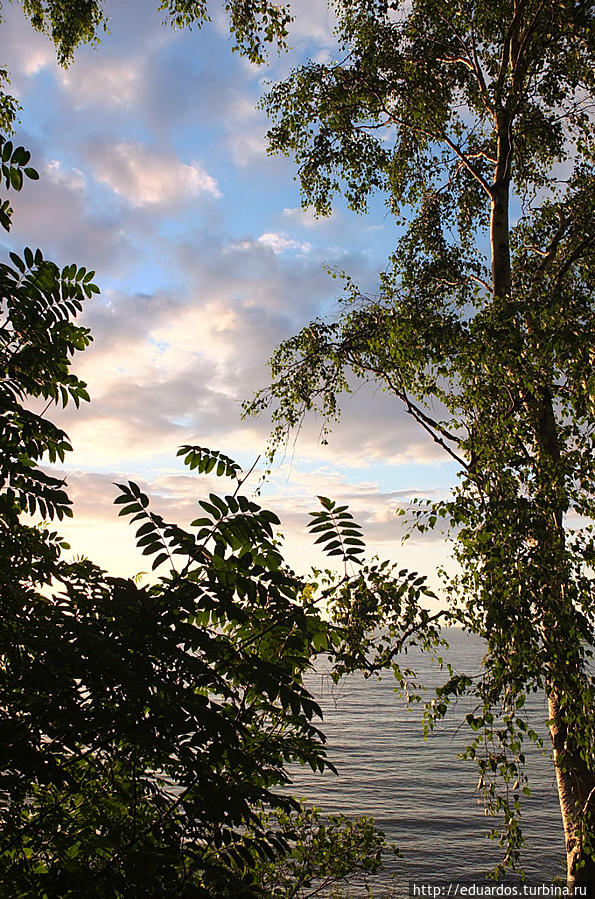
(154, 172)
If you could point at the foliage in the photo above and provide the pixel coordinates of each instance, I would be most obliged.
(462, 114)
(37, 340)
(69, 23)
(8, 105)
(413, 98)
(142, 727)
(337, 531)
(324, 852)
(14, 165)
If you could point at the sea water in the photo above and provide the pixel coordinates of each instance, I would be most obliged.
(419, 793)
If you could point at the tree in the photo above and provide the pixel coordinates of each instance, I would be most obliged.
(475, 119)
(254, 24)
(144, 730)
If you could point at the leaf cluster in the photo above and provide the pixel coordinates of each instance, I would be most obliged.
(409, 105)
(337, 531)
(70, 23)
(325, 851)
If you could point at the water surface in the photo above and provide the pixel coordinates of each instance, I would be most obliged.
(419, 793)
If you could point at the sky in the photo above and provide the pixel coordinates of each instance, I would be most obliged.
(154, 173)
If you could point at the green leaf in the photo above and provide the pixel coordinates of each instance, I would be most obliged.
(212, 510)
(20, 156)
(18, 262)
(130, 510)
(163, 557)
(16, 178)
(326, 502)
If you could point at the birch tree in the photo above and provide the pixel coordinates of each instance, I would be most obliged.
(474, 118)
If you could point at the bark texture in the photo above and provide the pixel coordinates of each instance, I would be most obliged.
(575, 780)
(576, 791)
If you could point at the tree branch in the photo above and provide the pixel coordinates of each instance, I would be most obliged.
(427, 423)
(373, 667)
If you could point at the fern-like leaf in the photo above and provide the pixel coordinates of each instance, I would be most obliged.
(206, 460)
(337, 531)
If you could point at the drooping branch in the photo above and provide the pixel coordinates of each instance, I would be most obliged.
(438, 433)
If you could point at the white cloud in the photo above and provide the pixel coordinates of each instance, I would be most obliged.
(174, 367)
(278, 242)
(242, 108)
(248, 144)
(145, 177)
(38, 57)
(24, 50)
(313, 22)
(55, 214)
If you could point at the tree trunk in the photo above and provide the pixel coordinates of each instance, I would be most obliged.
(499, 224)
(576, 792)
(575, 779)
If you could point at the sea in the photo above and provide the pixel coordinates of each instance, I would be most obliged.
(419, 793)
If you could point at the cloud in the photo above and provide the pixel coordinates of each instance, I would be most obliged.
(313, 24)
(174, 366)
(145, 177)
(24, 51)
(279, 242)
(105, 82)
(247, 146)
(55, 214)
(246, 139)
(197, 294)
(65, 179)
(305, 217)
(174, 494)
